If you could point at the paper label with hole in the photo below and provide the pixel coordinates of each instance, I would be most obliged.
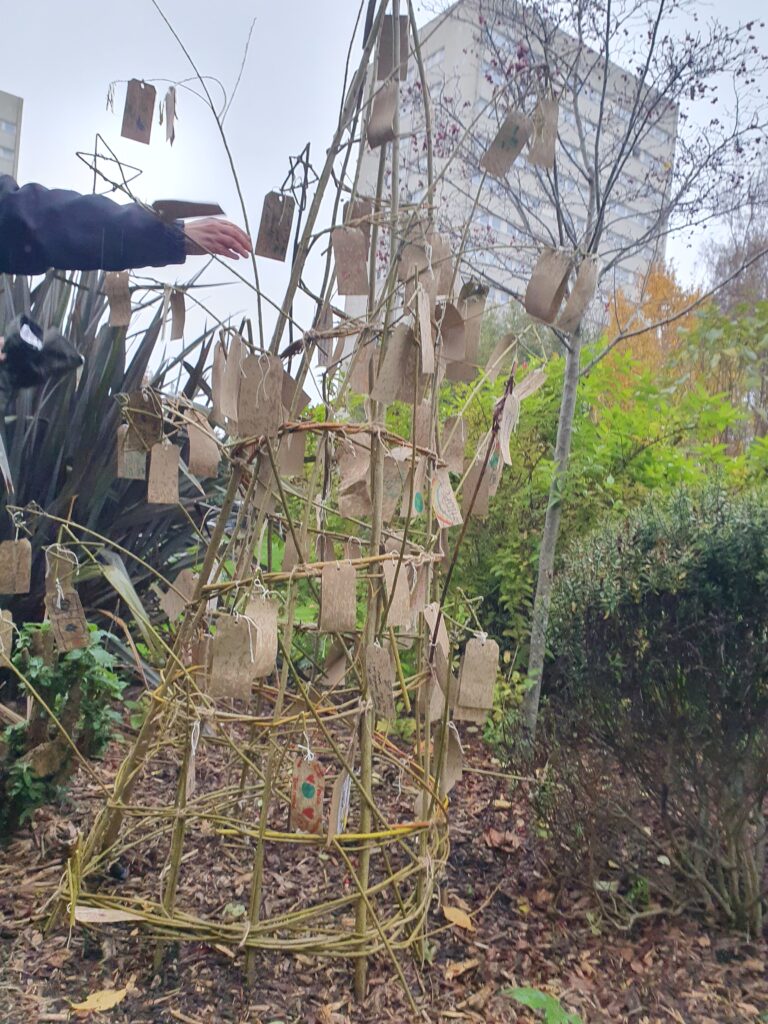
(426, 338)
(351, 254)
(444, 503)
(546, 288)
(338, 598)
(68, 622)
(447, 742)
(581, 295)
(275, 226)
(395, 378)
(233, 375)
(262, 613)
(203, 447)
(385, 55)
(199, 657)
(500, 356)
(138, 111)
(392, 489)
(360, 369)
(15, 566)
(119, 297)
(477, 675)
(307, 789)
(420, 588)
(339, 809)
(231, 666)
(163, 480)
(541, 152)
(380, 674)
(417, 492)
(175, 600)
(178, 314)
(442, 263)
(218, 374)
(143, 411)
(510, 414)
(507, 145)
(290, 455)
(359, 214)
(170, 115)
(6, 638)
(454, 443)
(260, 408)
(295, 398)
(439, 657)
(131, 462)
(381, 124)
(475, 491)
(451, 331)
(398, 593)
(60, 568)
(471, 307)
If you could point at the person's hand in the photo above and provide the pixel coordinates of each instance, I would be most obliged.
(211, 236)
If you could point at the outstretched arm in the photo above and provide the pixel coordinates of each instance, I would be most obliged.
(42, 228)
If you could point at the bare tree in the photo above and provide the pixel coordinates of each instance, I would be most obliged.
(659, 126)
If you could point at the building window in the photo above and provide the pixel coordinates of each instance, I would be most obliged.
(7, 126)
(7, 154)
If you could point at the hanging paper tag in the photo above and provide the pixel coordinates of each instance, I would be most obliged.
(426, 339)
(582, 294)
(451, 330)
(68, 622)
(385, 56)
(290, 455)
(398, 593)
(442, 263)
(501, 353)
(143, 412)
(339, 810)
(546, 288)
(119, 298)
(447, 741)
(380, 673)
(444, 502)
(396, 376)
(507, 145)
(475, 491)
(233, 374)
(541, 152)
(232, 664)
(163, 480)
(358, 376)
(530, 384)
(295, 398)
(275, 227)
(350, 253)
(138, 111)
(60, 566)
(15, 566)
(178, 314)
(170, 115)
(477, 675)
(307, 788)
(290, 554)
(174, 601)
(392, 489)
(455, 441)
(510, 414)
(262, 613)
(420, 588)
(6, 638)
(338, 598)
(358, 214)
(419, 497)
(260, 408)
(131, 462)
(203, 447)
(381, 124)
(200, 656)
(191, 781)
(440, 660)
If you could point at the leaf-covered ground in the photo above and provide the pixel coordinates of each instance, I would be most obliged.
(524, 931)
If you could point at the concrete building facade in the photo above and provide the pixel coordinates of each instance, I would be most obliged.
(479, 67)
(10, 133)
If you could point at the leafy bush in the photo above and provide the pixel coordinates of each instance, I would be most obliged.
(80, 687)
(659, 630)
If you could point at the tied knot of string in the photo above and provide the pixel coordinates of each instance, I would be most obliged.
(481, 636)
(238, 617)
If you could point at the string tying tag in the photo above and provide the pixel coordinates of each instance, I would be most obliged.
(194, 738)
(452, 726)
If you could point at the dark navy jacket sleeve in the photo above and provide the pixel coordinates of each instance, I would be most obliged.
(42, 228)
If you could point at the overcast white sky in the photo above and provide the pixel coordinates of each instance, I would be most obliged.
(61, 57)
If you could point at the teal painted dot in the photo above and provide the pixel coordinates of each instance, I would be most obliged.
(307, 790)
(418, 503)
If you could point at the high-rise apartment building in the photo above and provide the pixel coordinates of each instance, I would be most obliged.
(483, 58)
(10, 133)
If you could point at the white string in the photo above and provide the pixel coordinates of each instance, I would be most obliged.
(195, 737)
(306, 747)
(455, 731)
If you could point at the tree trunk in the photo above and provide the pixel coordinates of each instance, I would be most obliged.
(541, 603)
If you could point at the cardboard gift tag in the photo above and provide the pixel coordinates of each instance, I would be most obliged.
(138, 111)
(444, 503)
(170, 115)
(426, 338)
(290, 455)
(440, 659)
(60, 567)
(380, 674)
(501, 354)
(385, 55)
(218, 373)
(68, 622)
(295, 398)
(198, 658)
(260, 406)
(360, 369)
(274, 234)
(353, 549)
(233, 375)
(423, 435)
(163, 479)
(442, 263)
(451, 332)
(261, 613)
(6, 638)
(175, 600)
(510, 414)
(546, 288)
(531, 383)
(581, 295)
(431, 699)
(471, 306)
(474, 715)
(307, 788)
(381, 124)
(447, 742)
(477, 675)
(359, 214)
(392, 490)
(495, 466)
(507, 145)
(475, 491)
(395, 379)
(231, 664)
(338, 598)
(417, 495)
(324, 549)
(541, 151)
(454, 443)
(131, 462)
(398, 593)
(119, 297)
(178, 314)
(340, 800)
(290, 554)
(350, 251)
(15, 566)
(355, 500)
(143, 411)
(203, 447)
